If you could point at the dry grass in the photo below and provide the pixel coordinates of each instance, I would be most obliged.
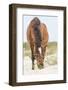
(51, 52)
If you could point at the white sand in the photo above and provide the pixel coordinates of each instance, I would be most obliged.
(48, 69)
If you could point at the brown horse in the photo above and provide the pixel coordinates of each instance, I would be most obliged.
(37, 36)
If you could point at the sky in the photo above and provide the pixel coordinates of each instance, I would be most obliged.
(50, 21)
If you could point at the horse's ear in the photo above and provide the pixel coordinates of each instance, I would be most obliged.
(35, 21)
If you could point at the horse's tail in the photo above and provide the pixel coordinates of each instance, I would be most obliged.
(37, 34)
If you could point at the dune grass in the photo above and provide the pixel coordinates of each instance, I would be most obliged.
(52, 48)
(51, 52)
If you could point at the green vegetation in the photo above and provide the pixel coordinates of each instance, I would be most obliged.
(27, 51)
(51, 52)
(52, 48)
(26, 46)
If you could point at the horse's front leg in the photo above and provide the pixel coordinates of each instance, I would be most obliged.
(32, 62)
(32, 51)
(44, 52)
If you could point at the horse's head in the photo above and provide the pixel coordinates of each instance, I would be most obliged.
(40, 60)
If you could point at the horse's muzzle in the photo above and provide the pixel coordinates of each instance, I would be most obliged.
(40, 66)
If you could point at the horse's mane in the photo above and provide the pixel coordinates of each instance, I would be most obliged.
(36, 29)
